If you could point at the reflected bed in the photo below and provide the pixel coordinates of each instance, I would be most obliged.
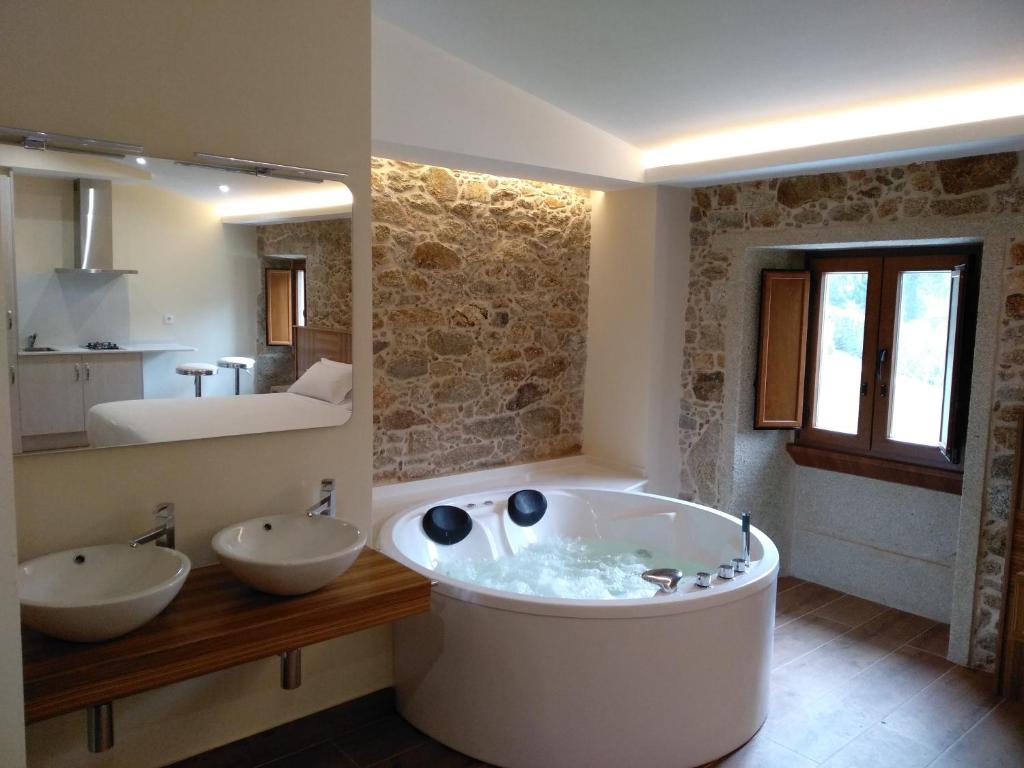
(130, 422)
(162, 420)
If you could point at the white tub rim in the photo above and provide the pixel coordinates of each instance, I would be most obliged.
(761, 576)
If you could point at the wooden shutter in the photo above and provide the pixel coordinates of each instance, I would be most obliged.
(279, 307)
(782, 355)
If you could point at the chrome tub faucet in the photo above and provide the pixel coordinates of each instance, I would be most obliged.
(327, 506)
(163, 533)
(665, 579)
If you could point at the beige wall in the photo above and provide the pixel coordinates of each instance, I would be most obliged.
(638, 275)
(12, 736)
(181, 78)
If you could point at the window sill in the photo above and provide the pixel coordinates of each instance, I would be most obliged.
(944, 480)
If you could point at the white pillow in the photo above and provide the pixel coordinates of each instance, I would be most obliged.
(327, 380)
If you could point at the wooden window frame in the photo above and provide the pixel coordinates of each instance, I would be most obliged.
(870, 453)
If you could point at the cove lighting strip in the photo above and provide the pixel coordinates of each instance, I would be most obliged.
(333, 196)
(917, 114)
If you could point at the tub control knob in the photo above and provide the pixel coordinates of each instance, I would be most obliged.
(739, 565)
(703, 579)
(726, 571)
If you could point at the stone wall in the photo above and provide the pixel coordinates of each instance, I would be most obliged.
(327, 248)
(987, 189)
(479, 319)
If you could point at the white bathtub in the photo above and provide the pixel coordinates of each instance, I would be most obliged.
(529, 682)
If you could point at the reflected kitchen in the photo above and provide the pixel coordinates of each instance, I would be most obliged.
(159, 301)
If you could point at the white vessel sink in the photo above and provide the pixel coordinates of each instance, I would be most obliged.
(289, 554)
(98, 593)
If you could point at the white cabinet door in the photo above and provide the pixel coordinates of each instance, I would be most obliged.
(50, 394)
(111, 377)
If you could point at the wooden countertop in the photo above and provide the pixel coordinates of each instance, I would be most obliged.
(215, 622)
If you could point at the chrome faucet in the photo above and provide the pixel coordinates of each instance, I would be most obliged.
(327, 505)
(163, 534)
(745, 543)
(32, 341)
(665, 579)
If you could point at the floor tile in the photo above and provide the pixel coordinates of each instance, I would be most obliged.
(850, 611)
(946, 709)
(894, 679)
(801, 599)
(935, 640)
(997, 741)
(291, 737)
(788, 582)
(762, 752)
(430, 755)
(840, 660)
(879, 748)
(803, 635)
(380, 740)
(822, 726)
(322, 755)
(819, 728)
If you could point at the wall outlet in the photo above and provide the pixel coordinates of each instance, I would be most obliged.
(168, 319)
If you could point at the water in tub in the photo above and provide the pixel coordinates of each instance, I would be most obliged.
(571, 568)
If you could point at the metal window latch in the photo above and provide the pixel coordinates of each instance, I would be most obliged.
(10, 319)
(883, 355)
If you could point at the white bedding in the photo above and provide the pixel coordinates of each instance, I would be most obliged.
(129, 422)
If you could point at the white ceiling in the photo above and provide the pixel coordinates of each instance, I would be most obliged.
(203, 184)
(649, 71)
(578, 91)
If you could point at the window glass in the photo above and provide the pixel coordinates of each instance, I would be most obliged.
(840, 348)
(300, 297)
(920, 357)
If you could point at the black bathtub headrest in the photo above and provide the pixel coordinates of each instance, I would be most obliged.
(527, 507)
(445, 524)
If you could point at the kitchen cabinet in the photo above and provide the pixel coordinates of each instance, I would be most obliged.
(109, 378)
(57, 391)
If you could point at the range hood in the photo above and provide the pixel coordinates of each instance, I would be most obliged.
(94, 231)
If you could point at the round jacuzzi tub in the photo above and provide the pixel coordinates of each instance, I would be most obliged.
(545, 647)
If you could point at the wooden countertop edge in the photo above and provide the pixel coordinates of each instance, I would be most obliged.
(61, 685)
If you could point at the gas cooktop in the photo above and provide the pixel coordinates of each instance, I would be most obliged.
(106, 345)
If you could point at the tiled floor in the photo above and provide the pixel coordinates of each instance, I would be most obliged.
(854, 684)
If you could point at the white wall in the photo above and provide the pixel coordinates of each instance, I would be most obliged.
(190, 265)
(195, 268)
(148, 72)
(895, 544)
(430, 107)
(639, 255)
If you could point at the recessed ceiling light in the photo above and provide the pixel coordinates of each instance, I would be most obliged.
(140, 160)
(224, 188)
(921, 113)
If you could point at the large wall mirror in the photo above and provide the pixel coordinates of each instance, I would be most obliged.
(157, 301)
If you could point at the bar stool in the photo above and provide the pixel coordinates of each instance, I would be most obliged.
(197, 371)
(239, 364)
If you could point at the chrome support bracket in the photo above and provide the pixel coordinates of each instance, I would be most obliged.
(100, 718)
(291, 669)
